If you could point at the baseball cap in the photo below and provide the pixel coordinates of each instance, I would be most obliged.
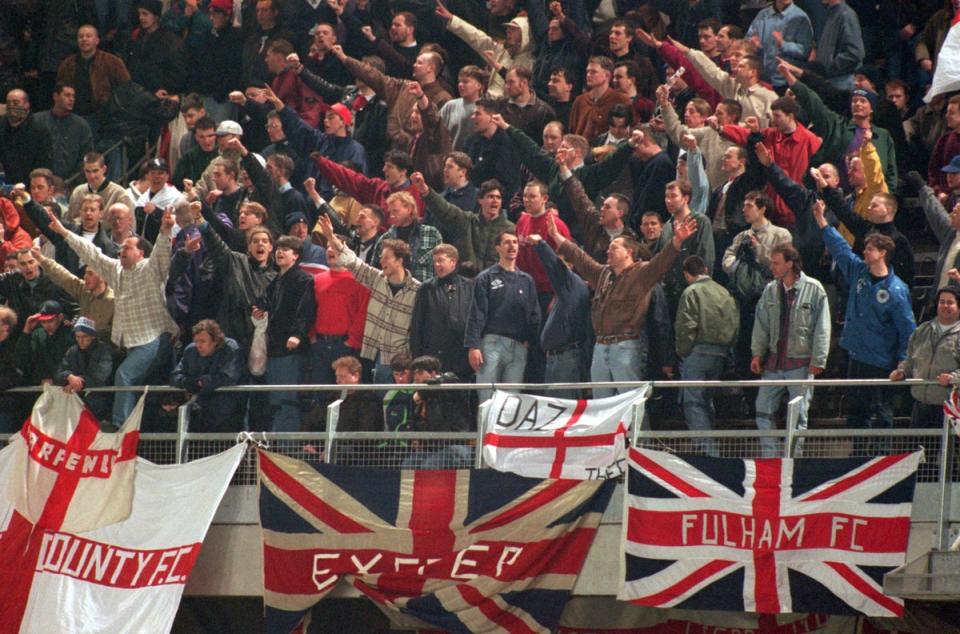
(344, 113)
(953, 166)
(229, 127)
(49, 310)
(157, 164)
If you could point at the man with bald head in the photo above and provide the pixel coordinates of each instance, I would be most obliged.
(93, 74)
(24, 145)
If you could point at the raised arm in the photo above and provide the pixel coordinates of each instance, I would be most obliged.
(583, 207)
(557, 271)
(361, 187)
(535, 158)
(59, 275)
(92, 256)
(331, 93)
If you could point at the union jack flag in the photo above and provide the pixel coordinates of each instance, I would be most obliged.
(461, 550)
(766, 536)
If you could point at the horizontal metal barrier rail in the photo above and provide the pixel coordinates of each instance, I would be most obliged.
(308, 387)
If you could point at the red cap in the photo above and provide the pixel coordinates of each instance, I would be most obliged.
(344, 113)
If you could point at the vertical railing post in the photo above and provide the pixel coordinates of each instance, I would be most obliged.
(946, 468)
(481, 417)
(333, 417)
(183, 427)
(793, 416)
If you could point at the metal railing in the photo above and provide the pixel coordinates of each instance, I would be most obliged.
(459, 450)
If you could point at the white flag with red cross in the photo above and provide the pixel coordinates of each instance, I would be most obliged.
(125, 578)
(65, 473)
(542, 437)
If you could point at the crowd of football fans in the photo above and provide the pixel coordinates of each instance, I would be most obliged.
(205, 193)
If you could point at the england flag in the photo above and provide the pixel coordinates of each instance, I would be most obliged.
(65, 473)
(542, 437)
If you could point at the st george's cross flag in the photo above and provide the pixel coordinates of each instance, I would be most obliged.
(946, 76)
(68, 475)
(126, 578)
(461, 550)
(769, 536)
(543, 437)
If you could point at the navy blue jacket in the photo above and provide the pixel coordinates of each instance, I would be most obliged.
(505, 304)
(202, 375)
(305, 140)
(569, 319)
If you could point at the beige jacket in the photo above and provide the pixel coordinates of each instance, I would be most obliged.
(755, 100)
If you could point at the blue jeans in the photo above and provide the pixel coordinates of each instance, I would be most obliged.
(133, 371)
(768, 401)
(285, 370)
(565, 367)
(622, 361)
(504, 360)
(323, 352)
(381, 371)
(704, 363)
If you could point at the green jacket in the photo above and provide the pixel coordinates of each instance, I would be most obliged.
(39, 355)
(837, 132)
(707, 314)
(542, 165)
(474, 237)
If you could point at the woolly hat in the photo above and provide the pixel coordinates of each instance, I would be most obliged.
(85, 325)
(153, 6)
(869, 95)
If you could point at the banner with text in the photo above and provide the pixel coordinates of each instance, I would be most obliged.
(68, 475)
(768, 536)
(543, 437)
(463, 550)
(126, 577)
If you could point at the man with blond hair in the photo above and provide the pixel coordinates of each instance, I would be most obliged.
(405, 227)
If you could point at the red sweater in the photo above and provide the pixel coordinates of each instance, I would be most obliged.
(365, 190)
(527, 259)
(341, 306)
(791, 152)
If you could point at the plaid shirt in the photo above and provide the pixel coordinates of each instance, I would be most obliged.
(387, 330)
(140, 311)
(422, 242)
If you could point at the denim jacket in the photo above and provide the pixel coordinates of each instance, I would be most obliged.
(809, 334)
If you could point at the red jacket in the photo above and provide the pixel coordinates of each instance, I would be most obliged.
(344, 306)
(365, 190)
(527, 259)
(791, 152)
(14, 236)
